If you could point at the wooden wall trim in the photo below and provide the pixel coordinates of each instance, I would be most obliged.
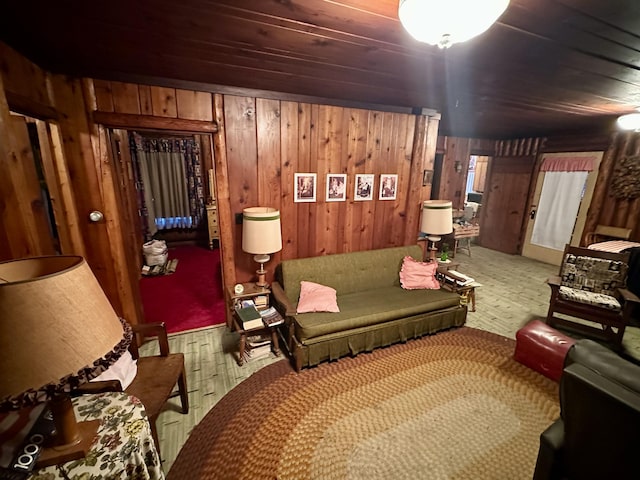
(27, 106)
(266, 94)
(225, 215)
(133, 121)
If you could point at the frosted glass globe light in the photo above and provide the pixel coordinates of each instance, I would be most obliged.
(445, 22)
(630, 121)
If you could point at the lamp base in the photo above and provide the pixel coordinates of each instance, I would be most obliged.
(72, 451)
(261, 259)
(433, 249)
(262, 281)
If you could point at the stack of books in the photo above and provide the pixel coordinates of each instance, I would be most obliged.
(257, 346)
(271, 317)
(452, 279)
(461, 279)
(261, 301)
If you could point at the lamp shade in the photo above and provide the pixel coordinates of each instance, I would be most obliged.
(437, 217)
(57, 328)
(444, 22)
(261, 230)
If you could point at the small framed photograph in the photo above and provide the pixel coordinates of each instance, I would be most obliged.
(388, 186)
(305, 187)
(364, 186)
(336, 187)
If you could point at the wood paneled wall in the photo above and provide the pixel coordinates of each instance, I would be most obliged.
(268, 141)
(259, 146)
(607, 209)
(452, 182)
(262, 143)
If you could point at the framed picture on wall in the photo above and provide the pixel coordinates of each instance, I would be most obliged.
(304, 185)
(388, 186)
(336, 187)
(364, 187)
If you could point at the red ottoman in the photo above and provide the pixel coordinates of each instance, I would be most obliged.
(542, 348)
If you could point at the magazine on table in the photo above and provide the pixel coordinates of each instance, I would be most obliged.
(271, 317)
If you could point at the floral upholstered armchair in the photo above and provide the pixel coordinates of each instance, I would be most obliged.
(591, 287)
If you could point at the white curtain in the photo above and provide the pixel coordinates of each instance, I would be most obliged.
(558, 208)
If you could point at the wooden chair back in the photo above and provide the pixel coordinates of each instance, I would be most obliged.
(156, 378)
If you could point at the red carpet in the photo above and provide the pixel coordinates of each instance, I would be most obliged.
(191, 297)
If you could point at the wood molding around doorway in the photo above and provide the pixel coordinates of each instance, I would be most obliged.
(212, 135)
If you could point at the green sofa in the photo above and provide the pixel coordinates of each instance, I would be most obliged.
(375, 310)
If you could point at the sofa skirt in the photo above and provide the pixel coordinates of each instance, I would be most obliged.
(366, 339)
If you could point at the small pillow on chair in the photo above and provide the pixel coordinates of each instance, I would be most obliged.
(418, 275)
(317, 298)
(123, 370)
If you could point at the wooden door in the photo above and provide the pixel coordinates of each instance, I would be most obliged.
(504, 203)
(27, 225)
(124, 169)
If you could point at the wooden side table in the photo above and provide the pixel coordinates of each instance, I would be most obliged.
(467, 292)
(251, 291)
(124, 447)
(271, 331)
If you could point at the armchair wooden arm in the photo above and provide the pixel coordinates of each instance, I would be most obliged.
(628, 296)
(103, 386)
(554, 281)
(282, 301)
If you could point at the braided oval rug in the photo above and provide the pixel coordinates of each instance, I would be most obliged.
(454, 405)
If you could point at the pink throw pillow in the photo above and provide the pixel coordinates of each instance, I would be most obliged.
(317, 298)
(418, 275)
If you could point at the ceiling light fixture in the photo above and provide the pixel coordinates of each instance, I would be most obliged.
(445, 22)
(630, 121)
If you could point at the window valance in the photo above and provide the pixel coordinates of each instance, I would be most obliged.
(568, 164)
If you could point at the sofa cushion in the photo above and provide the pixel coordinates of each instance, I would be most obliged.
(317, 298)
(371, 307)
(415, 274)
(346, 272)
(590, 298)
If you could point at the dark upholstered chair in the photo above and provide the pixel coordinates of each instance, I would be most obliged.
(591, 287)
(155, 379)
(598, 433)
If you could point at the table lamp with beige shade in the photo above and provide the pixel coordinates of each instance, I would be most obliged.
(437, 220)
(261, 236)
(57, 331)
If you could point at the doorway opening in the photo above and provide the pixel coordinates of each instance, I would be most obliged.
(168, 187)
(559, 206)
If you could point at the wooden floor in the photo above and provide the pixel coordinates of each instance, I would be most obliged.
(513, 292)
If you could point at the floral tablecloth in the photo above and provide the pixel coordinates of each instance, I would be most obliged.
(124, 448)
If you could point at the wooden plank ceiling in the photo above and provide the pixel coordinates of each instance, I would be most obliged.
(546, 67)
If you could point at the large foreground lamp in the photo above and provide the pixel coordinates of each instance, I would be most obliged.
(57, 331)
(437, 219)
(445, 22)
(261, 236)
